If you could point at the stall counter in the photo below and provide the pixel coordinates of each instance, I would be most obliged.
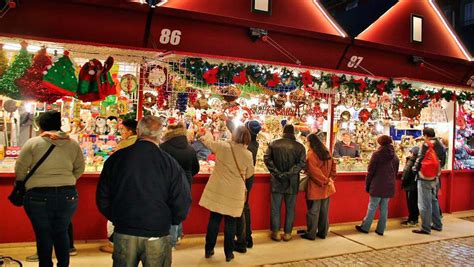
(348, 204)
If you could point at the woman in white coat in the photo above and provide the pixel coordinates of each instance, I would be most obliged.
(224, 194)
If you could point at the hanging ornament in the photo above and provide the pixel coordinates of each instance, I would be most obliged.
(192, 95)
(149, 100)
(182, 102)
(364, 115)
(128, 83)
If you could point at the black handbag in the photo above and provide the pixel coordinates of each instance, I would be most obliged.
(18, 193)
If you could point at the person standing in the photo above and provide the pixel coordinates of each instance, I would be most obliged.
(244, 227)
(143, 191)
(410, 188)
(346, 148)
(284, 158)
(380, 183)
(51, 197)
(175, 143)
(428, 189)
(225, 193)
(321, 169)
(128, 133)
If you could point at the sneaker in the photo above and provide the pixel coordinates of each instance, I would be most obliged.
(32, 258)
(306, 236)
(72, 251)
(409, 223)
(436, 229)
(381, 234)
(109, 248)
(286, 237)
(276, 236)
(359, 228)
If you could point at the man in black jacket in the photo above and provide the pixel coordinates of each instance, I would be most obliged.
(175, 143)
(410, 188)
(143, 191)
(428, 189)
(284, 158)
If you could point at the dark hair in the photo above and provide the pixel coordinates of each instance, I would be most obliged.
(430, 132)
(289, 129)
(241, 135)
(50, 121)
(131, 125)
(384, 140)
(318, 147)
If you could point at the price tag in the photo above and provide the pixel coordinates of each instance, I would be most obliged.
(12, 151)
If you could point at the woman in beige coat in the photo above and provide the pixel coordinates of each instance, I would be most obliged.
(224, 194)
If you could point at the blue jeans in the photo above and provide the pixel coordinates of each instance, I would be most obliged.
(428, 205)
(50, 210)
(373, 204)
(176, 231)
(130, 250)
(290, 204)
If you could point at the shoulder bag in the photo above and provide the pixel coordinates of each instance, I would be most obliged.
(18, 193)
(238, 168)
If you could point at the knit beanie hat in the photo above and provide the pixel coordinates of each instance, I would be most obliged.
(415, 150)
(384, 140)
(50, 121)
(289, 129)
(253, 126)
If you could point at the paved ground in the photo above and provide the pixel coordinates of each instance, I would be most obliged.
(454, 252)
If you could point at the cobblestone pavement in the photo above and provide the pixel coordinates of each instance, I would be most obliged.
(453, 252)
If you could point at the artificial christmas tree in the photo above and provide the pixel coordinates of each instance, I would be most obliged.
(31, 84)
(61, 77)
(18, 67)
(3, 61)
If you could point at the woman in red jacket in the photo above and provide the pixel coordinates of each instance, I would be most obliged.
(321, 170)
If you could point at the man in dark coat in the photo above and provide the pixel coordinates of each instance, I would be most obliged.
(143, 191)
(175, 143)
(380, 183)
(244, 227)
(284, 158)
(410, 188)
(428, 189)
(346, 148)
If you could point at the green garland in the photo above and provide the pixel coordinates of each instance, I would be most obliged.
(286, 80)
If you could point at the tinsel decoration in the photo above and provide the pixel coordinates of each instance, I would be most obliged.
(3, 60)
(61, 76)
(182, 102)
(31, 84)
(17, 68)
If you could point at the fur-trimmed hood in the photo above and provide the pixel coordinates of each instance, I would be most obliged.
(172, 133)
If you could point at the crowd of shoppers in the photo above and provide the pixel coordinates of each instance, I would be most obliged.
(145, 187)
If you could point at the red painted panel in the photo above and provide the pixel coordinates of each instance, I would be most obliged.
(463, 196)
(62, 20)
(309, 17)
(397, 64)
(347, 205)
(393, 29)
(232, 41)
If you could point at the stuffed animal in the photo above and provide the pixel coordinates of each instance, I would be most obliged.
(100, 125)
(111, 128)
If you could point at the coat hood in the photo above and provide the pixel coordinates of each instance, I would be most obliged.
(57, 138)
(386, 152)
(171, 133)
(180, 141)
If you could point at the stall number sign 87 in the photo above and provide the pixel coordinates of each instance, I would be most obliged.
(170, 37)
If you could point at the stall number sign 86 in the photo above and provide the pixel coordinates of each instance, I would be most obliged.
(170, 37)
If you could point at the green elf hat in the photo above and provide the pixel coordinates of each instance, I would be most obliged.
(61, 77)
(88, 86)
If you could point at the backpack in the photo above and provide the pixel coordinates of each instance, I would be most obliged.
(430, 164)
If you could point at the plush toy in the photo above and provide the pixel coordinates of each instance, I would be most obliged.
(65, 125)
(100, 125)
(111, 128)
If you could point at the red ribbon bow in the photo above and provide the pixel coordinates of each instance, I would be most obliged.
(362, 84)
(336, 81)
(240, 78)
(274, 81)
(307, 78)
(211, 76)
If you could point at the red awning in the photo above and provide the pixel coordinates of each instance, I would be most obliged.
(385, 47)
